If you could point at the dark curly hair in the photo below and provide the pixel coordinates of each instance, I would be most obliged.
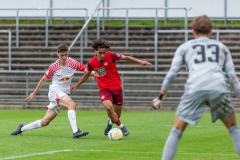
(100, 43)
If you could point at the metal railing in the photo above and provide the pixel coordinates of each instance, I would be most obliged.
(26, 81)
(217, 34)
(139, 88)
(9, 47)
(47, 17)
(22, 83)
(186, 32)
(156, 18)
(186, 37)
(127, 10)
(83, 28)
(224, 31)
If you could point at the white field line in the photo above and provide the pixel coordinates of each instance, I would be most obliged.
(112, 151)
(34, 154)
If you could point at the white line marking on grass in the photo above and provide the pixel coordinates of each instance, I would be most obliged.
(34, 154)
(70, 150)
(112, 151)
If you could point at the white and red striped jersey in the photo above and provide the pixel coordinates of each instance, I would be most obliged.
(62, 75)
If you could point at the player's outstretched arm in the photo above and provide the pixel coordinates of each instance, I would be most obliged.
(135, 60)
(94, 74)
(75, 86)
(38, 87)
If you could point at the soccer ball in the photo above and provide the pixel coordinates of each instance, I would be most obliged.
(156, 103)
(115, 134)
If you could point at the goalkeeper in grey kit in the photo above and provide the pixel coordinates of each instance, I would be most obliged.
(208, 62)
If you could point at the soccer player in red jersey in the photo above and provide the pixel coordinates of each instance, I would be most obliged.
(109, 82)
(61, 73)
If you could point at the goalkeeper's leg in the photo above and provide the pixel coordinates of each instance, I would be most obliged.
(171, 144)
(231, 124)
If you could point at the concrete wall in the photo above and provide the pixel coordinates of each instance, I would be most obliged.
(213, 8)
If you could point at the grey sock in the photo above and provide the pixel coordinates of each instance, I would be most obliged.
(235, 133)
(170, 147)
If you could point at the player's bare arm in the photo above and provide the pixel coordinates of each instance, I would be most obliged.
(93, 73)
(135, 60)
(38, 87)
(75, 86)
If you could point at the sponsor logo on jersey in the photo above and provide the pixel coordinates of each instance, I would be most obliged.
(65, 79)
(101, 71)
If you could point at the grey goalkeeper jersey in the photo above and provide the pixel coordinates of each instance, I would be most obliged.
(208, 62)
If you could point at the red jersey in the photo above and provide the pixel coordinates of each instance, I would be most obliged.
(107, 70)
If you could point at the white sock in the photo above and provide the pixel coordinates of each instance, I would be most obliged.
(72, 119)
(110, 122)
(121, 125)
(33, 125)
(235, 134)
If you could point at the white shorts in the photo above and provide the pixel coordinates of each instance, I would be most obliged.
(54, 95)
(191, 106)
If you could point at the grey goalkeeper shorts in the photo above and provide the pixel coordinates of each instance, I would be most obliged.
(191, 106)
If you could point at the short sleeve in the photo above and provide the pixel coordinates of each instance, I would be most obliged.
(115, 56)
(80, 66)
(49, 73)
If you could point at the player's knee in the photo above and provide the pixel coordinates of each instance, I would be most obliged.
(230, 124)
(230, 121)
(72, 106)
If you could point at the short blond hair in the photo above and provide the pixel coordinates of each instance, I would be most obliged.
(202, 25)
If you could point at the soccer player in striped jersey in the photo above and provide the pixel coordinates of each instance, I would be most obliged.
(61, 73)
(109, 82)
(208, 61)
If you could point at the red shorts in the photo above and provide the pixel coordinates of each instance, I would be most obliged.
(116, 96)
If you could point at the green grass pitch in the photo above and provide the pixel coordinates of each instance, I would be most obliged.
(148, 132)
